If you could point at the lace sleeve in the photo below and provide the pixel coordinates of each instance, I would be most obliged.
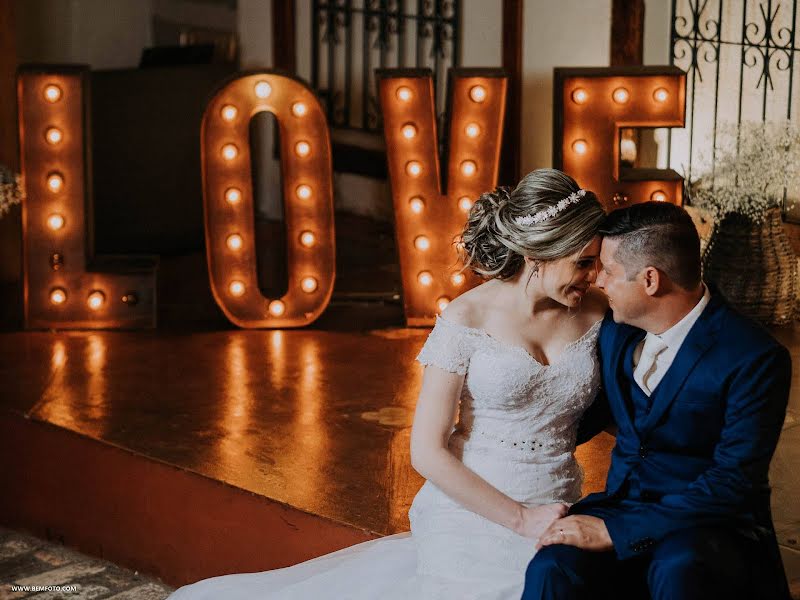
(449, 346)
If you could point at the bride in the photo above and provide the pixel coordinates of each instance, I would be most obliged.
(512, 363)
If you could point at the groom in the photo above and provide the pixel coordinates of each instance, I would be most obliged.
(698, 394)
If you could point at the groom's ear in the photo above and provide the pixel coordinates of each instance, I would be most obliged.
(653, 280)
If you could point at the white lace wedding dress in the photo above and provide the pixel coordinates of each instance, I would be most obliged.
(516, 429)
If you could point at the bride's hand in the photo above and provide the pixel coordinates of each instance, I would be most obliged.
(536, 519)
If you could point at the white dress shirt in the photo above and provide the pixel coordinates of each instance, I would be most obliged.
(648, 377)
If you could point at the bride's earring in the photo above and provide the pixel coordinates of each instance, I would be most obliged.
(536, 264)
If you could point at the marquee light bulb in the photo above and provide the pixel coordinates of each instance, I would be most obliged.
(55, 182)
(303, 191)
(658, 196)
(277, 308)
(307, 239)
(52, 93)
(233, 195)
(661, 95)
(53, 135)
(465, 203)
(309, 284)
(302, 148)
(299, 109)
(58, 296)
(263, 89)
(234, 241)
(421, 242)
(229, 152)
(425, 278)
(96, 300)
(469, 168)
(55, 221)
(579, 96)
(236, 288)
(403, 93)
(472, 130)
(229, 112)
(416, 204)
(458, 278)
(580, 146)
(409, 131)
(443, 302)
(414, 168)
(477, 93)
(621, 95)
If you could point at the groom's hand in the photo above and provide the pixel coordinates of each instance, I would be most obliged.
(581, 531)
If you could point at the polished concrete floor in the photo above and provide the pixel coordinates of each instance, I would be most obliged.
(317, 419)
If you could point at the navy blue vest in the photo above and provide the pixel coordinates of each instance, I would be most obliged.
(640, 404)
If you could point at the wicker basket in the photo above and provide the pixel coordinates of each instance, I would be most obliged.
(754, 267)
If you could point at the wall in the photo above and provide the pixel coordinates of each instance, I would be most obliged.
(558, 33)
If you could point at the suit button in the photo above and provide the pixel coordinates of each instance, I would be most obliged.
(642, 451)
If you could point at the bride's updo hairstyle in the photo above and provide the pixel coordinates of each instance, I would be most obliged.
(495, 244)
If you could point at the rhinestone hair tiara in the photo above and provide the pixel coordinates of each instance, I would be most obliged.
(551, 212)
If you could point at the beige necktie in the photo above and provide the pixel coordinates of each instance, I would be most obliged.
(653, 346)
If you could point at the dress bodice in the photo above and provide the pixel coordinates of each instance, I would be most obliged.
(509, 399)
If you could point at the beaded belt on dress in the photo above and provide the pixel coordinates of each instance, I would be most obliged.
(528, 445)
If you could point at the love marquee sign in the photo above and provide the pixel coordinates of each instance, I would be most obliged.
(66, 286)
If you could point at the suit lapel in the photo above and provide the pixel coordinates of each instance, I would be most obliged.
(701, 337)
(628, 339)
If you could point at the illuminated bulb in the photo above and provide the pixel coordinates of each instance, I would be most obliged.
(468, 168)
(303, 191)
(425, 278)
(96, 299)
(58, 295)
(443, 302)
(579, 96)
(229, 152)
(416, 204)
(277, 308)
(53, 135)
(236, 288)
(309, 284)
(55, 182)
(421, 242)
(414, 168)
(458, 278)
(658, 196)
(234, 241)
(302, 148)
(660, 95)
(55, 221)
(472, 130)
(477, 93)
(409, 131)
(229, 112)
(233, 195)
(299, 109)
(403, 93)
(263, 89)
(621, 95)
(52, 93)
(580, 146)
(307, 239)
(465, 203)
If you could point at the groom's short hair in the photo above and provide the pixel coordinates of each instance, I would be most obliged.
(656, 234)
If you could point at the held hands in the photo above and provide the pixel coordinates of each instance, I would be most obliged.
(581, 531)
(535, 520)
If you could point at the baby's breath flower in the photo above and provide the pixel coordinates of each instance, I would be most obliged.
(10, 190)
(755, 165)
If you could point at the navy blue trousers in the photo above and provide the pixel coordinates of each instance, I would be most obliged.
(687, 565)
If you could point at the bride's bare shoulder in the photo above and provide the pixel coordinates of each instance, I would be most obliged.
(468, 309)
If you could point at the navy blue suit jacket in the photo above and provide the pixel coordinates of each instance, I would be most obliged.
(701, 456)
